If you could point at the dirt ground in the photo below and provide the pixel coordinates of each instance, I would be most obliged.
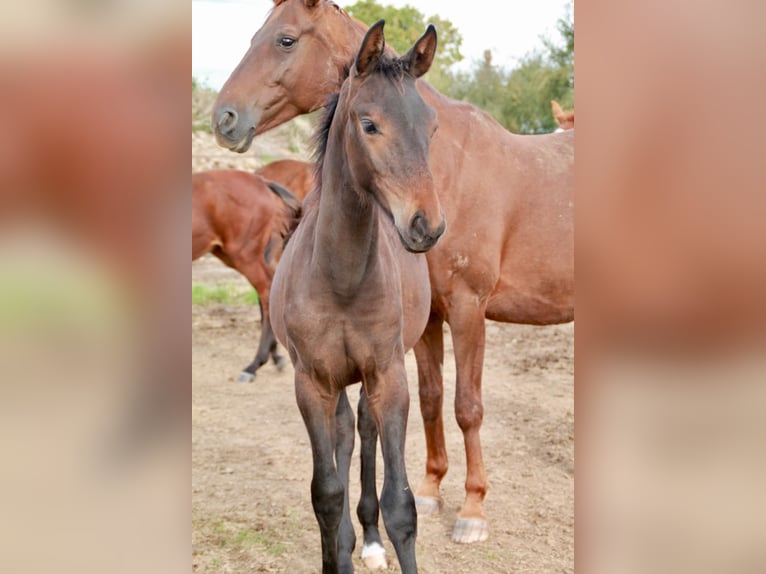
(251, 472)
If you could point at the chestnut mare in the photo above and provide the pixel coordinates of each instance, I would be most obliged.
(565, 119)
(244, 221)
(359, 245)
(509, 252)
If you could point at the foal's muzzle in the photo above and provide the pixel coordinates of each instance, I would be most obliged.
(419, 237)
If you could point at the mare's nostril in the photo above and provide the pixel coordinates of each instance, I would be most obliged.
(227, 120)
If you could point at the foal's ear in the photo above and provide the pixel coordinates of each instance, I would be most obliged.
(311, 3)
(420, 57)
(372, 48)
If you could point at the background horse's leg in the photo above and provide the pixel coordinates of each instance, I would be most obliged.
(267, 346)
(344, 448)
(373, 553)
(429, 354)
(260, 278)
(327, 491)
(389, 393)
(468, 336)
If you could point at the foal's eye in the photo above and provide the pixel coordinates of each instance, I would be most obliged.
(369, 127)
(286, 42)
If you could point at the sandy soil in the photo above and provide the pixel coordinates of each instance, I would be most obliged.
(251, 470)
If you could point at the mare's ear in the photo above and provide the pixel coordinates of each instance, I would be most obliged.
(418, 60)
(556, 108)
(372, 48)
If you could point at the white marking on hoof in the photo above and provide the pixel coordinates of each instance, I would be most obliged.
(469, 530)
(428, 506)
(245, 377)
(374, 556)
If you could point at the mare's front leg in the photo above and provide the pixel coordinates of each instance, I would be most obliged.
(389, 401)
(468, 338)
(317, 407)
(429, 354)
(373, 553)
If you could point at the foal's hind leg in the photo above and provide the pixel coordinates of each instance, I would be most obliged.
(373, 553)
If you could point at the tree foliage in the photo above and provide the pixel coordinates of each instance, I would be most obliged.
(518, 98)
(405, 25)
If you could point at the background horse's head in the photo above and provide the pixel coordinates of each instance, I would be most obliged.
(382, 129)
(290, 48)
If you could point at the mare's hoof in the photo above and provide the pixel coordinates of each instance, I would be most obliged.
(428, 505)
(468, 530)
(280, 363)
(245, 377)
(374, 557)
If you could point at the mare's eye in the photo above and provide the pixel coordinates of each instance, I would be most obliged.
(369, 127)
(286, 42)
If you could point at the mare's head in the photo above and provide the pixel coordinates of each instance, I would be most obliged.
(378, 135)
(295, 60)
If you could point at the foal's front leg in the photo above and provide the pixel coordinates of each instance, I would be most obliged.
(389, 401)
(327, 491)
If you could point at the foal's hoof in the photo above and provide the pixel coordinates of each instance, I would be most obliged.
(469, 530)
(280, 363)
(428, 505)
(374, 557)
(245, 377)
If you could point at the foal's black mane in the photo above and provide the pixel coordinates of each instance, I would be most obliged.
(394, 68)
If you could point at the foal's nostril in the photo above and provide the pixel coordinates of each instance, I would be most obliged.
(418, 227)
(227, 120)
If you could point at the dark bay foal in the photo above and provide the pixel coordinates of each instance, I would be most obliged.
(351, 293)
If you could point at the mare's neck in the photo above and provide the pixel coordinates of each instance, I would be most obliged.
(346, 234)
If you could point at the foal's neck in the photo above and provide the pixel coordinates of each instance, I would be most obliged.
(347, 233)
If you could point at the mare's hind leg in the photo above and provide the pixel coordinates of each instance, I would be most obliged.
(373, 553)
(344, 448)
(389, 402)
(429, 354)
(468, 334)
(327, 491)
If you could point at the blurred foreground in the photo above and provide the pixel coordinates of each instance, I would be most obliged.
(94, 328)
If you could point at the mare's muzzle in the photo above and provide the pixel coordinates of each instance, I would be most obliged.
(233, 130)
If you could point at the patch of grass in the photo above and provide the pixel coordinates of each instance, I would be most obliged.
(222, 534)
(225, 293)
(267, 541)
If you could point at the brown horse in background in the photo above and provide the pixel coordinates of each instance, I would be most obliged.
(565, 119)
(359, 244)
(244, 221)
(509, 252)
(292, 174)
